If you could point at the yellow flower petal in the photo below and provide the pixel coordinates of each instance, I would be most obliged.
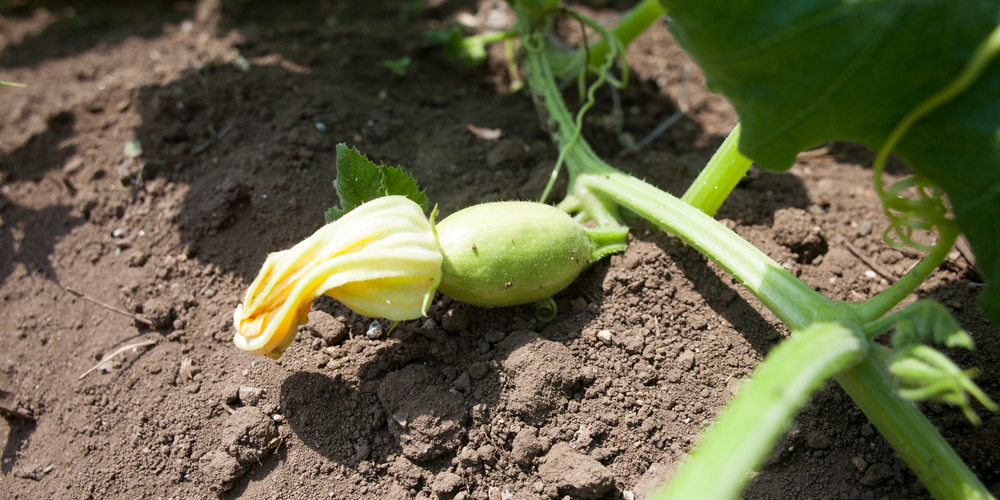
(381, 259)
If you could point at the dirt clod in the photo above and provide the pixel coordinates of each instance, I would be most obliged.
(324, 326)
(797, 229)
(575, 474)
(876, 474)
(446, 482)
(159, 312)
(543, 373)
(434, 417)
(526, 446)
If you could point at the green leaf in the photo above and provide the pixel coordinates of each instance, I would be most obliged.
(804, 72)
(360, 181)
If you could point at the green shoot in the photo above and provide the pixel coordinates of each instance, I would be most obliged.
(470, 50)
(634, 23)
(399, 67)
(11, 84)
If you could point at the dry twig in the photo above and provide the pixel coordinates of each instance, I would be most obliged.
(108, 357)
(868, 262)
(111, 308)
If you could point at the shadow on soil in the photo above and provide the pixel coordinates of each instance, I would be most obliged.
(65, 28)
(28, 236)
(20, 431)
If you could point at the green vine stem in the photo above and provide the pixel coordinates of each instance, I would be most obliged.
(632, 24)
(873, 308)
(909, 432)
(794, 302)
(745, 432)
(719, 177)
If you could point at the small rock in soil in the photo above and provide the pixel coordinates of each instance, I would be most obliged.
(326, 327)
(575, 474)
(249, 396)
(605, 336)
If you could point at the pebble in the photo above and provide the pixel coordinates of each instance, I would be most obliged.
(249, 396)
(374, 330)
(605, 336)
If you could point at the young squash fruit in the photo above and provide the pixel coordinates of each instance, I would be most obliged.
(509, 253)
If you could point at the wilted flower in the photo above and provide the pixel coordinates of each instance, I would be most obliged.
(381, 259)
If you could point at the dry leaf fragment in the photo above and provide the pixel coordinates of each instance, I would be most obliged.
(188, 370)
(487, 134)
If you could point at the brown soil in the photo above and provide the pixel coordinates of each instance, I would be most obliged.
(480, 403)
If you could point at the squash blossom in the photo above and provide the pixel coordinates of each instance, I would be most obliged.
(381, 259)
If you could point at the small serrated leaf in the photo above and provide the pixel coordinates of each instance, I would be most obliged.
(928, 320)
(398, 182)
(360, 181)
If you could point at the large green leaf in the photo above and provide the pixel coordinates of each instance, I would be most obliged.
(804, 72)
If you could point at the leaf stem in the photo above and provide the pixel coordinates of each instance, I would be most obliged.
(744, 433)
(719, 177)
(794, 302)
